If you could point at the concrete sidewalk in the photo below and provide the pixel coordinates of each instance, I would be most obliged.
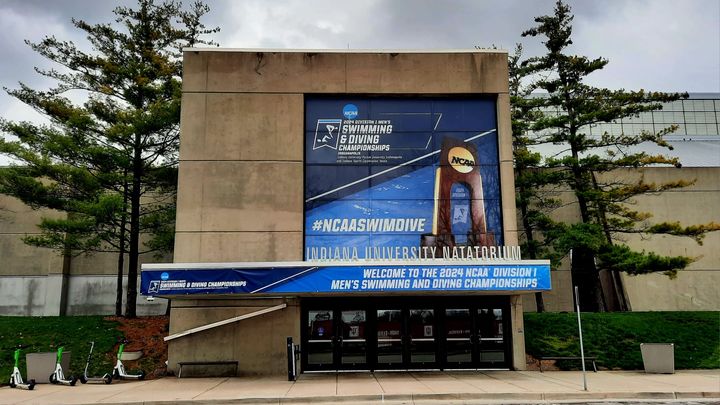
(391, 387)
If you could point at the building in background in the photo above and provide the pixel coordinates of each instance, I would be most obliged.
(697, 144)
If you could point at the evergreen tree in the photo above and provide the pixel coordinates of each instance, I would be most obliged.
(110, 161)
(525, 161)
(604, 202)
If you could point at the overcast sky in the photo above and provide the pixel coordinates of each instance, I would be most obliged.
(666, 45)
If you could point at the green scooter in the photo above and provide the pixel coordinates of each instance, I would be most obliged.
(16, 380)
(119, 369)
(58, 377)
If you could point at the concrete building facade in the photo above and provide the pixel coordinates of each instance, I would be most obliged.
(242, 186)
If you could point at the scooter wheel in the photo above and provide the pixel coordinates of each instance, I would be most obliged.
(142, 375)
(12, 383)
(107, 379)
(31, 384)
(53, 379)
(73, 381)
(83, 380)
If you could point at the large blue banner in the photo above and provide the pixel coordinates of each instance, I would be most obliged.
(385, 177)
(309, 278)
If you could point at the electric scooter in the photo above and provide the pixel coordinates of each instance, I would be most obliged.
(16, 380)
(119, 370)
(106, 378)
(57, 377)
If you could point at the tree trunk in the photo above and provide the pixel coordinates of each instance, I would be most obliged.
(121, 256)
(135, 193)
(583, 270)
(119, 292)
(586, 278)
(617, 295)
(539, 302)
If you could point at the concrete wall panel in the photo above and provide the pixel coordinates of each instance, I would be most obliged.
(18, 218)
(241, 196)
(195, 71)
(92, 295)
(253, 196)
(87, 295)
(309, 72)
(431, 73)
(274, 72)
(208, 247)
(189, 198)
(692, 290)
(193, 121)
(20, 259)
(257, 343)
(22, 296)
(242, 126)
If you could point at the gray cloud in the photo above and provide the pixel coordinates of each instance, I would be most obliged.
(659, 44)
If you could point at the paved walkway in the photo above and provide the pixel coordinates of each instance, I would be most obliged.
(391, 387)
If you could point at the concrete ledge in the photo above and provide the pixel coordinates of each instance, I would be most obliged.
(490, 398)
(691, 395)
(607, 395)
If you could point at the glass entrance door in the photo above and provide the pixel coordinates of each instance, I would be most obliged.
(336, 339)
(320, 346)
(405, 333)
(352, 345)
(421, 338)
(459, 338)
(491, 333)
(390, 346)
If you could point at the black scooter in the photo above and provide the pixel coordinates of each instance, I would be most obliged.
(106, 378)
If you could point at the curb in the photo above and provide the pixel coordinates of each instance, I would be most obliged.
(539, 398)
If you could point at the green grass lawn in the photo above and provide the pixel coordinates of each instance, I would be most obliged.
(614, 338)
(45, 334)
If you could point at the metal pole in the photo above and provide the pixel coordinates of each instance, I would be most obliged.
(582, 350)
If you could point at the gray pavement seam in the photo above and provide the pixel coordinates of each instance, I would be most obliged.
(213, 387)
(292, 384)
(547, 377)
(413, 375)
(145, 382)
(498, 379)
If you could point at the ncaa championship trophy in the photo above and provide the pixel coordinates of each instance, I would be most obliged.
(458, 165)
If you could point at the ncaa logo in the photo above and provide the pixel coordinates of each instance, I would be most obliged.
(350, 111)
(164, 276)
(461, 159)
